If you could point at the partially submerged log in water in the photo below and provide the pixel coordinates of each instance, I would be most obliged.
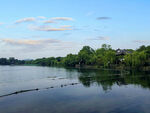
(36, 89)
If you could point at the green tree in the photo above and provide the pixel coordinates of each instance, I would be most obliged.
(85, 55)
(136, 59)
(70, 60)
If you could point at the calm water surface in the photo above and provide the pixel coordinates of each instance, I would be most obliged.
(63, 90)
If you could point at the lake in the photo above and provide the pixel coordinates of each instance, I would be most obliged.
(36, 89)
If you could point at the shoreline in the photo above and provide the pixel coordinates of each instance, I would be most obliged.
(119, 68)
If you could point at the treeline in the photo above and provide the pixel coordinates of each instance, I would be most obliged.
(87, 56)
(11, 61)
(102, 57)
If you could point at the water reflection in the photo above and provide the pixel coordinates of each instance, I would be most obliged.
(56, 90)
(107, 78)
(18, 78)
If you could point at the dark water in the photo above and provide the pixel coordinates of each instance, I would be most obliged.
(33, 89)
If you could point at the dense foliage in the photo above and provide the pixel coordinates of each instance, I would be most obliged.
(11, 61)
(101, 57)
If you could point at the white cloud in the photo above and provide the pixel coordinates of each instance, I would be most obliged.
(49, 28)
(100, 38)
(62, 18)
(22, 48)
(41, 17)
(141, 41)
(65, 26)
(29, 42)
(28, 19)
(50, 21)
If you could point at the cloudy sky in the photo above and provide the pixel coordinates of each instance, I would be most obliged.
(44, 28)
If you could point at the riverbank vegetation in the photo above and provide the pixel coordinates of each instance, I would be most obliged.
(11, 61)
(88, 57)
(101, 57)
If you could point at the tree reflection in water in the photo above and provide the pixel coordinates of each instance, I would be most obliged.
(108, 78)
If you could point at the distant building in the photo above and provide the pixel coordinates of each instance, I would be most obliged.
(122, 52)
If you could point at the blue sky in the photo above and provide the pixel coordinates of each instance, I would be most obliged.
(44, 28)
